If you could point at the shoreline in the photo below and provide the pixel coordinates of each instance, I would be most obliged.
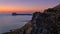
(26, 26)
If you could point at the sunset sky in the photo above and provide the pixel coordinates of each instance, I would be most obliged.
(26, 5)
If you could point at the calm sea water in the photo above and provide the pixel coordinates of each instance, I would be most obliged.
(9, 22)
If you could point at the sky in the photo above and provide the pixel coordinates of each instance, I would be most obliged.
(26, 5)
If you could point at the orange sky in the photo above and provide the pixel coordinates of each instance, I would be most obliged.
(19, 8)
(26, 5)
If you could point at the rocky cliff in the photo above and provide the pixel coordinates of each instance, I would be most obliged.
(42, 23)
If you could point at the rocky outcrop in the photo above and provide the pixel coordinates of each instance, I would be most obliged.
(47, 22)
(42, 23)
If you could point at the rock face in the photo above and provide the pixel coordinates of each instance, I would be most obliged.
(42, 23)
(47, 22)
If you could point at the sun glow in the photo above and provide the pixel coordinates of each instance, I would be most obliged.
(14, 8)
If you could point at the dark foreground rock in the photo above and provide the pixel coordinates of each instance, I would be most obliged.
(42, 23)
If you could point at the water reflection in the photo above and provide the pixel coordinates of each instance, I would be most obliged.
(12, 22)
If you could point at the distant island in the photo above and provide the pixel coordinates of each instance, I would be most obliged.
(14, 14)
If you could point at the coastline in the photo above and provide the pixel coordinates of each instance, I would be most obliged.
(41, 23)
(27, 28)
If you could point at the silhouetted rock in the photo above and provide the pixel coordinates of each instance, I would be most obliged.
(13, 14)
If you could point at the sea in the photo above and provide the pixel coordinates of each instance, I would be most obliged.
(10, 22)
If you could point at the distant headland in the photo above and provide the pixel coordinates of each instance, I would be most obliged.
(14, 14)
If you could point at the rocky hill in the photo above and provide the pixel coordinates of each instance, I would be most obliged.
(42, 23)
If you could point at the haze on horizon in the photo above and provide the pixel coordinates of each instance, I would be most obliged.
(26, 5)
